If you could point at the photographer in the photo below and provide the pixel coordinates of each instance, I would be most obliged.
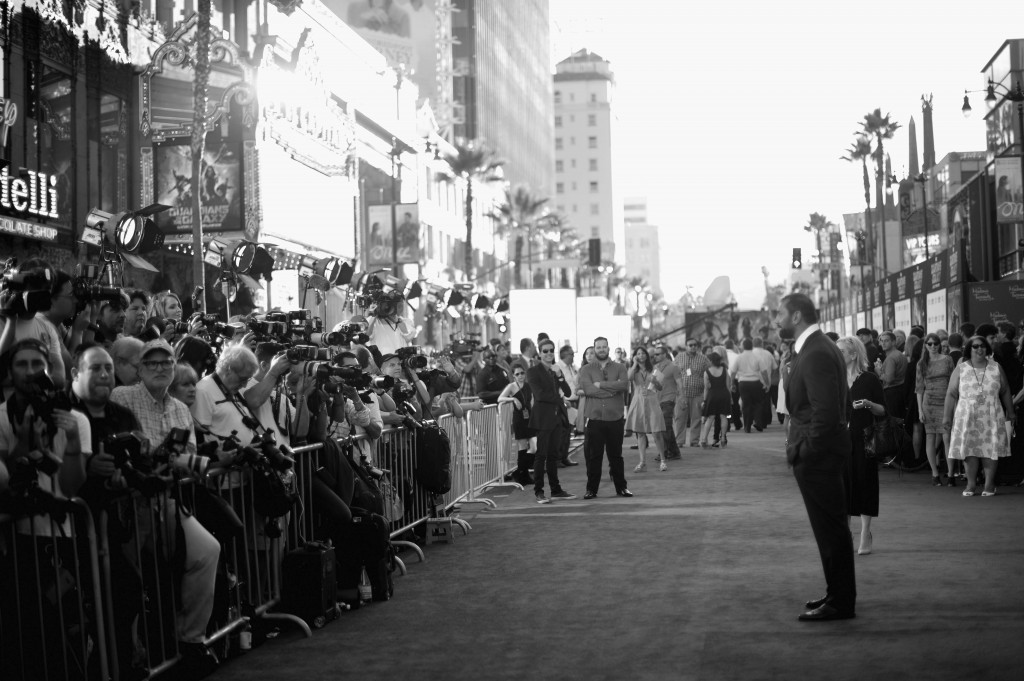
(287, 405)
(351, 414)
(446, 380)
(109, 324)
(42, 443)
(387, 329)
(405, 391)
(25, 292)
(492, 379)
(221, 405)
(158, 413)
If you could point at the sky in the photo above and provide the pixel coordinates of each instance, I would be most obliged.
(732, 117)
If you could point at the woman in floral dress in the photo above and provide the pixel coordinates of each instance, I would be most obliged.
(644, 415)
(933, 372)
(979, 414)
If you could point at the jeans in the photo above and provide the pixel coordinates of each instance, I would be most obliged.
(670, 448)
(605, 436)
(549, 445)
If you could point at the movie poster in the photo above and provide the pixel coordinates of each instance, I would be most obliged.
(220, 187)
(1008, 191)
(379, 234)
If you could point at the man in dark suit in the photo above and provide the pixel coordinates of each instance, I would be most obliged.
(549, 418)
(818, 450)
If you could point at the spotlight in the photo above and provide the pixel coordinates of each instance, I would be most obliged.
(413, 290)
(137, 233)
(336, 272)
(453, 298)
(480, 302)
(502, 305)
(502, 328)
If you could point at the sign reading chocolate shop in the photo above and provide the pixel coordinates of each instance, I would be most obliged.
(30, 193)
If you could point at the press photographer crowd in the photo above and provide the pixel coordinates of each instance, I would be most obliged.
(180, 432)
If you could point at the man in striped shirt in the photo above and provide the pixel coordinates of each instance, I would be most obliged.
(686, 420)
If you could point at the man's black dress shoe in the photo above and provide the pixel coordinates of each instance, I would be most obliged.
(590, 495)
(569, 462)
(825, 613)
(624, 493)
(815, 604)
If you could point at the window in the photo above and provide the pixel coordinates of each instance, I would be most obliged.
(558, 96)
(595, 209)
(594, 231)
(593, 164)
(572, 141)
(644, 243)
(593, 97)
(593, 187)
(558, 121)
(572, 162)
(591, 120)
(574, 186)
(592, 142)
(559, 166)
(559, 187)
(558, 143)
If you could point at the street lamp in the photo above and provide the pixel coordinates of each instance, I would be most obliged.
(992, 98)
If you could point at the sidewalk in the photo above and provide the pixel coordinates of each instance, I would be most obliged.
(700, 576)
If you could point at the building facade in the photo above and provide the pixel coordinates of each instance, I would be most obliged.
(584, 141)
(643, 253)
(501, 61)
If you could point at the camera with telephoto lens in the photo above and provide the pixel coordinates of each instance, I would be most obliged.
(25, 291)
(302, 315)
(351, 333)
(428, 375)
(276, 317)
(303, 353)
(207, 320)
(44, 398)
(133, 458)
(268, 328)
(221, 329)
(87, 291)
(180, 328)
(411, 358)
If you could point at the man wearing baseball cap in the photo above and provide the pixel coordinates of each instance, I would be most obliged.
(157, 413)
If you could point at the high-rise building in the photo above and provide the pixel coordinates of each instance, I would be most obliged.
(502, 79)
(584, 137)
(643, 257)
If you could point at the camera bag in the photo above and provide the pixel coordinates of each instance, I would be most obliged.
(309, 585)
(433, 467)
(367, 545)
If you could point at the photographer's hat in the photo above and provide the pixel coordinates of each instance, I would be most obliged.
(386, 357)
(158, 344)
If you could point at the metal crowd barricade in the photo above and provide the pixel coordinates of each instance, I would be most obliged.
(492, 446)
(51, 617)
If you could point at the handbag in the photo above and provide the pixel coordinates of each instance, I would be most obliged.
(881, 439)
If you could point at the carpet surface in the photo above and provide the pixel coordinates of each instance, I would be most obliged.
(700, 576)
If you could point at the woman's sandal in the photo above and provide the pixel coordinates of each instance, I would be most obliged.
(968, 493)
(640, 468)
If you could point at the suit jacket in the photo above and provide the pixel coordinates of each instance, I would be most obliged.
(817, 398)
(548, 410)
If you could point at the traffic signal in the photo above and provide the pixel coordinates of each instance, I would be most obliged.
(594, 253)
(798, 262)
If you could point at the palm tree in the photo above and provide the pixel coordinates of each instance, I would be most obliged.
(860, 150)
(881, 128)
(818, 225)
(517, 216)
(473, 162)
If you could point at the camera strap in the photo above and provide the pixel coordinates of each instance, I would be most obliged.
(249, 417)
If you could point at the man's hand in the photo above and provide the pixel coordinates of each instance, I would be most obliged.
(305, 385)
(101, 465)
(196, 326)
(280, 365)
(66, 422)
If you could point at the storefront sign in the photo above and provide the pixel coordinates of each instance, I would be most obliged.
(29, 230)
(36, 195)
(995, 301)
(8, 116)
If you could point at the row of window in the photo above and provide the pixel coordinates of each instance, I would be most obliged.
(560, 165)
(560, 187)
(591, 120)
(572, 97)
(591, 142)
(644, 243)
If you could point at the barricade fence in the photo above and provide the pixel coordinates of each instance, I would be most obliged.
(110, 593)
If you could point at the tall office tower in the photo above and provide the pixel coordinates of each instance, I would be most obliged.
(643, 254)
(584, 137)
(502, 80)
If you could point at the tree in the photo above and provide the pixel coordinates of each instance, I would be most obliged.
(860, 150)
(881, 128)
(517, 216)
(473, 162)
(819, 225)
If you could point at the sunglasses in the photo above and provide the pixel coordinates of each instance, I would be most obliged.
(931, 343)
(519, 373)
(154, 364)
(977, 347)
(549, 351)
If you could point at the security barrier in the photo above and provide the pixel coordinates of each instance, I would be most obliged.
(51, 619)
(123, 574)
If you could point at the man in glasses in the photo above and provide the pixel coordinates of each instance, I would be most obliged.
(549, 418)
(686, 419)
(604, 382)
(667, 374)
